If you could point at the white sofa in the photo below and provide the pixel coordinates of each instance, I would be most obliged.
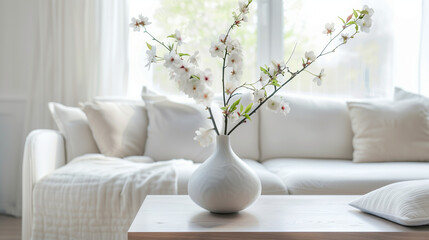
(308, 152)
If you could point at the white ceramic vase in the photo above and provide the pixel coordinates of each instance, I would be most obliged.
(224, 183)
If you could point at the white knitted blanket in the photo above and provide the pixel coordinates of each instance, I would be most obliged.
(96, 197)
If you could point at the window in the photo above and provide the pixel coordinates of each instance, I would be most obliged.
(368, 66)
(204, 22)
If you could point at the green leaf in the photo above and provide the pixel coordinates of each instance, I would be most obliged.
(224, 108)
(234, 105)
(248, 108)
(351, 22)
(357, 27)
(241, 108)
(172, 36)
(355, 13)
(171, 47)
(263, 70)
(149, 46)
(364, 12)
(184, 54)
(274, 82)
(247, 116)
(342, 20)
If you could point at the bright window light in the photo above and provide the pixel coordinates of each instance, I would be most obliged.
(368, 67)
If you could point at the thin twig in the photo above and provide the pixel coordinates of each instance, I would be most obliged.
(293, 75)
(293, 51)
(153, 38)
(213, 120)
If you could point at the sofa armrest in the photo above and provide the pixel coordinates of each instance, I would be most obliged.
(44, 152)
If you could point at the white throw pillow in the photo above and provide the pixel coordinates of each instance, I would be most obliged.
(406, 203)
(245, 138)
(314, 128)
(119, 128)
(401, 94)
(73, 125)
(387, 131)
(171, 130)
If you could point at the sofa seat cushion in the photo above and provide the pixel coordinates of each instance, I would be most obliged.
(342, 177)
(271, 183)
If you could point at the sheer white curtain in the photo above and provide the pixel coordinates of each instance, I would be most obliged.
(424, 52)
(80, 52)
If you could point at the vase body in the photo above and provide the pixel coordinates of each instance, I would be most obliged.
(224, 183)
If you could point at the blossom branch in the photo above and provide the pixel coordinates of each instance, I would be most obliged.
(213, 120)
(153, 38)
(307, 64)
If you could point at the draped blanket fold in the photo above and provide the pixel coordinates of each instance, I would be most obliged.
(97, 197)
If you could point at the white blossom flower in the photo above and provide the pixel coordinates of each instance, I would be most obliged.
(364, 23)
(318, 78)
(230, 86)
(263, 79)
(272, 71)
(245, 18)
(192, 87)
(235, 59)
(329, 28)
(310, 56)
(135, 24)
(369, 10)
(172, 60)
(222, 38)
(285, 108)
(234, 73)
(242, 5)
(279, 66)
(274, 103)
(144, 21)
(277, 104)
(178, 37)
(217, 50)
(344, 37)
(194, 58)
(259, 95)
(234, 116)
(205, 97)
(206, 77)
(204, 136)
(151, 56)
(233, 45)
(185, 70)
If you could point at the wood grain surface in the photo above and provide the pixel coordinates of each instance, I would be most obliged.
(271, 217)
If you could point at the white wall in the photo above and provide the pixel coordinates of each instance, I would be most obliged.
(16, 53)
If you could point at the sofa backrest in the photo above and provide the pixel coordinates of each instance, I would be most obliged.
(245, 139)
(314, 128)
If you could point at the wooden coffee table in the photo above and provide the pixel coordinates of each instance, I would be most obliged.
(270, 217)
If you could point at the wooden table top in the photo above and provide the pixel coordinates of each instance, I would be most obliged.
(270, 217)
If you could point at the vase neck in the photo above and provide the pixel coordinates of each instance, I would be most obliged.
(222, 142)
